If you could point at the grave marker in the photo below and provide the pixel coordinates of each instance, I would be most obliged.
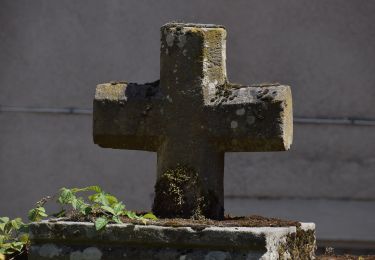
(191, 117)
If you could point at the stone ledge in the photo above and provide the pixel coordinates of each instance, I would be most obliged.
(80, 240)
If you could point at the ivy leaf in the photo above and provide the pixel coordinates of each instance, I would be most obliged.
(74, 202)
(87, 210)
(99, 198)
(11, 234)
(100, 223)
(93, 197)
(118, 208)
(95, 188)
(4, 220)
(130, 214)
(150, 216)
(88, 188)
(111, 199)
(6, 247)
(66, 196)
(117, 219)
(42, 212)
(24, 238)
(2, 239)
(16, 223)
(16, 246)
(103, 198)
(80, 205)
(37, 214)
(108, 209)
(10, 248)
(32, 215)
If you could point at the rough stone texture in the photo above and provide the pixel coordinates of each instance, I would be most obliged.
(192, 116)
(75, 240)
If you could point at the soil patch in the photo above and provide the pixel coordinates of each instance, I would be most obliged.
(228, 221)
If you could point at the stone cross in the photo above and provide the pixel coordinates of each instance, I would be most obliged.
(191, 117)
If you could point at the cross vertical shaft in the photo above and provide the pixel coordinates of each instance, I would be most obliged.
(192, 65)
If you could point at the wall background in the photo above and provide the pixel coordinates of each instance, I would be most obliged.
(53, 53)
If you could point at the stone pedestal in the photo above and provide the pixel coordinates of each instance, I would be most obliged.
(78, 240)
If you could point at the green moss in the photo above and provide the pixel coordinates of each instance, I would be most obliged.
(299, 245)
(179, 193)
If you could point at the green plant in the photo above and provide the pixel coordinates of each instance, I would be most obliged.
(13, 235)
(39, 212)
(98, 206)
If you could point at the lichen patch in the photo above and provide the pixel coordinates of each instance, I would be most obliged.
(250, 120)
(240, 112)
(169, 39)
(234, 124)
(181, 41)
(92, 253)
(49, 250)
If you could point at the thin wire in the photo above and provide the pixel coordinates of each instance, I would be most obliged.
(297, 119)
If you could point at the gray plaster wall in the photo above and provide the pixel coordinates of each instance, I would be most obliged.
(53, 53)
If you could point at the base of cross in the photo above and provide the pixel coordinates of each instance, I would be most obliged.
(232, 238)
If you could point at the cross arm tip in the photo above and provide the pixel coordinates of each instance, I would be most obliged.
(127, 115)
(110, 91)
(255, 119)
(116, 91)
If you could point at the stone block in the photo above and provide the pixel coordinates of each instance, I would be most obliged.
(79, 240)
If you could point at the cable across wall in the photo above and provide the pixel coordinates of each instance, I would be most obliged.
(354, 121)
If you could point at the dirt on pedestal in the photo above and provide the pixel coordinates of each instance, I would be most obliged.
(228, 221)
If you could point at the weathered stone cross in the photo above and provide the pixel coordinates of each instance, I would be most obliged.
(190, 118)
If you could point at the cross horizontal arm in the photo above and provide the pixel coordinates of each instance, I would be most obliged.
(127, 116)
(251, 119)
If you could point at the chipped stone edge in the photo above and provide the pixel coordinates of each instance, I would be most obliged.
(306, 226)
